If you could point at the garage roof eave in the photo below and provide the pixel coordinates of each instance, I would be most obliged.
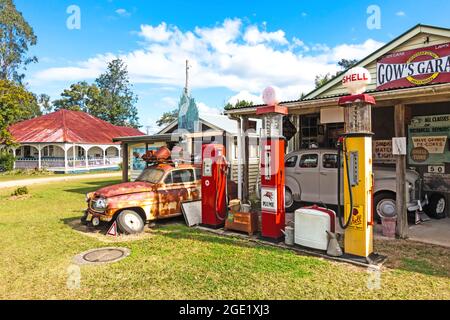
(166, 137)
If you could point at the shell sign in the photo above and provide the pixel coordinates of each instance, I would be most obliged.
(414, 67)
(356, 80)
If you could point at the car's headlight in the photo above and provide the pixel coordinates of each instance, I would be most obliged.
(99, 204)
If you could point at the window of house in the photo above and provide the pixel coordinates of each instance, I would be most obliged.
(309, 131)
(48, 151)
(291, 162)
(309, 161)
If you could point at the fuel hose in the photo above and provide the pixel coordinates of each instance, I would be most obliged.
(339, 212)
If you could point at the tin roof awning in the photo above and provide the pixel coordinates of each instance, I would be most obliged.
(166, 137)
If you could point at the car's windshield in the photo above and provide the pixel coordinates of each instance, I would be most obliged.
(151, 175)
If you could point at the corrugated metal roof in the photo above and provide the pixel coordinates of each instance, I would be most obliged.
(69, 126)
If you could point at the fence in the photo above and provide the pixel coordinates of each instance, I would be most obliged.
(59, 163)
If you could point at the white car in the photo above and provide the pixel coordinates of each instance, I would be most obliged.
(311, 176)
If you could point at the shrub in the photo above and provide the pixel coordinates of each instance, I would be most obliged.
(20, 191)
(6, 161)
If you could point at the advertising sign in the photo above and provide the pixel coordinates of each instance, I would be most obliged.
(428, 137)
(269, 199)
(414, 67)
(382, 151)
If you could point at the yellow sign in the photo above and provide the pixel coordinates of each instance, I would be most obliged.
(433, 144)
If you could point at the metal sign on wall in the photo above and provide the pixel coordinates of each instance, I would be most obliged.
(414, 67)
(428, 137)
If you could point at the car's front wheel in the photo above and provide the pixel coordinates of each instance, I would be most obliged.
(289, 203)
(436, 207)
(130, 222)
(384, 205)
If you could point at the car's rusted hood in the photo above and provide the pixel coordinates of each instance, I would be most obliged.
(124, 188)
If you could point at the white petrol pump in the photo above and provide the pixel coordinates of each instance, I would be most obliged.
(356, 152)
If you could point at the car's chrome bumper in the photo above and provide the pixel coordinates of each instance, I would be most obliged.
(418, 204)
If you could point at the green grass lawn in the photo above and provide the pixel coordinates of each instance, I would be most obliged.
(35, 175)
(171, 261)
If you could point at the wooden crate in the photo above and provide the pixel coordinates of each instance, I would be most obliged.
(242, 221)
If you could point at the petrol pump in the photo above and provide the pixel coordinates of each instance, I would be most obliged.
(356, 149)
(272, 167)
(214, 185)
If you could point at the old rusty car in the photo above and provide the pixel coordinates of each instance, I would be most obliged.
(156, 194)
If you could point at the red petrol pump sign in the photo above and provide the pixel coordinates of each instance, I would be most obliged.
(272, 168)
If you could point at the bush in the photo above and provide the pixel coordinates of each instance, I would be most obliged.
(6, 161)
(20, 191)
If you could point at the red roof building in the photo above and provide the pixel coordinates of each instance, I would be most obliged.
(68, 140)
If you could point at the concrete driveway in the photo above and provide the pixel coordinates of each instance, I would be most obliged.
(29, 182)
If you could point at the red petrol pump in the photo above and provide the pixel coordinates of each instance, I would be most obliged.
(214, 185)
(356, 147)
(272, 167)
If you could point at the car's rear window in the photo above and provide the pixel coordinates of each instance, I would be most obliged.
(151, 175)
(183, 176)
(309, 161)
(329, 161)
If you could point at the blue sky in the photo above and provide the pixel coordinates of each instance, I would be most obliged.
(236, 48)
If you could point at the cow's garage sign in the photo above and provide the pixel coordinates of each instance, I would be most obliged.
(414, 67)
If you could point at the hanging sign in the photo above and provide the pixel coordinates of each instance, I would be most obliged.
(414, 67)
(382, 151)
(428, 137)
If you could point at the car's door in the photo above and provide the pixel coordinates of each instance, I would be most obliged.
(290, 164)
(179, 185)
(328, 178)
(307, 173)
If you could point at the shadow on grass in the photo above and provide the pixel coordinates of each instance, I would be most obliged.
(177, 231)
(92, 186)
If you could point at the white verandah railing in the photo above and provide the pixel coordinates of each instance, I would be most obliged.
(59, 163)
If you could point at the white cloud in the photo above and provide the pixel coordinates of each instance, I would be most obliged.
(123, 12)
(159, 33)
(205, 109)
(231, 55)
(254, 36)
(400, 13)
(355, 51)
(247, 96)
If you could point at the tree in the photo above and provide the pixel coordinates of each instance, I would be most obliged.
(16, 104)
(238, 104)
(167, 118)
(44, 103)
(16, 35)
(81, 96)
(116, 101)
(347, 64)
(321, 79)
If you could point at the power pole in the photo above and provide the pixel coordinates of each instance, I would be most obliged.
(186, 87)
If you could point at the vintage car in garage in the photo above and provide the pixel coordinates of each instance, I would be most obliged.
(311, 176)
(156, 194)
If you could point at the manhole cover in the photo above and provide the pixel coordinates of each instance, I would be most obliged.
(101, 255)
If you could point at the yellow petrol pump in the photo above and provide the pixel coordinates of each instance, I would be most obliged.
(356, 149)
